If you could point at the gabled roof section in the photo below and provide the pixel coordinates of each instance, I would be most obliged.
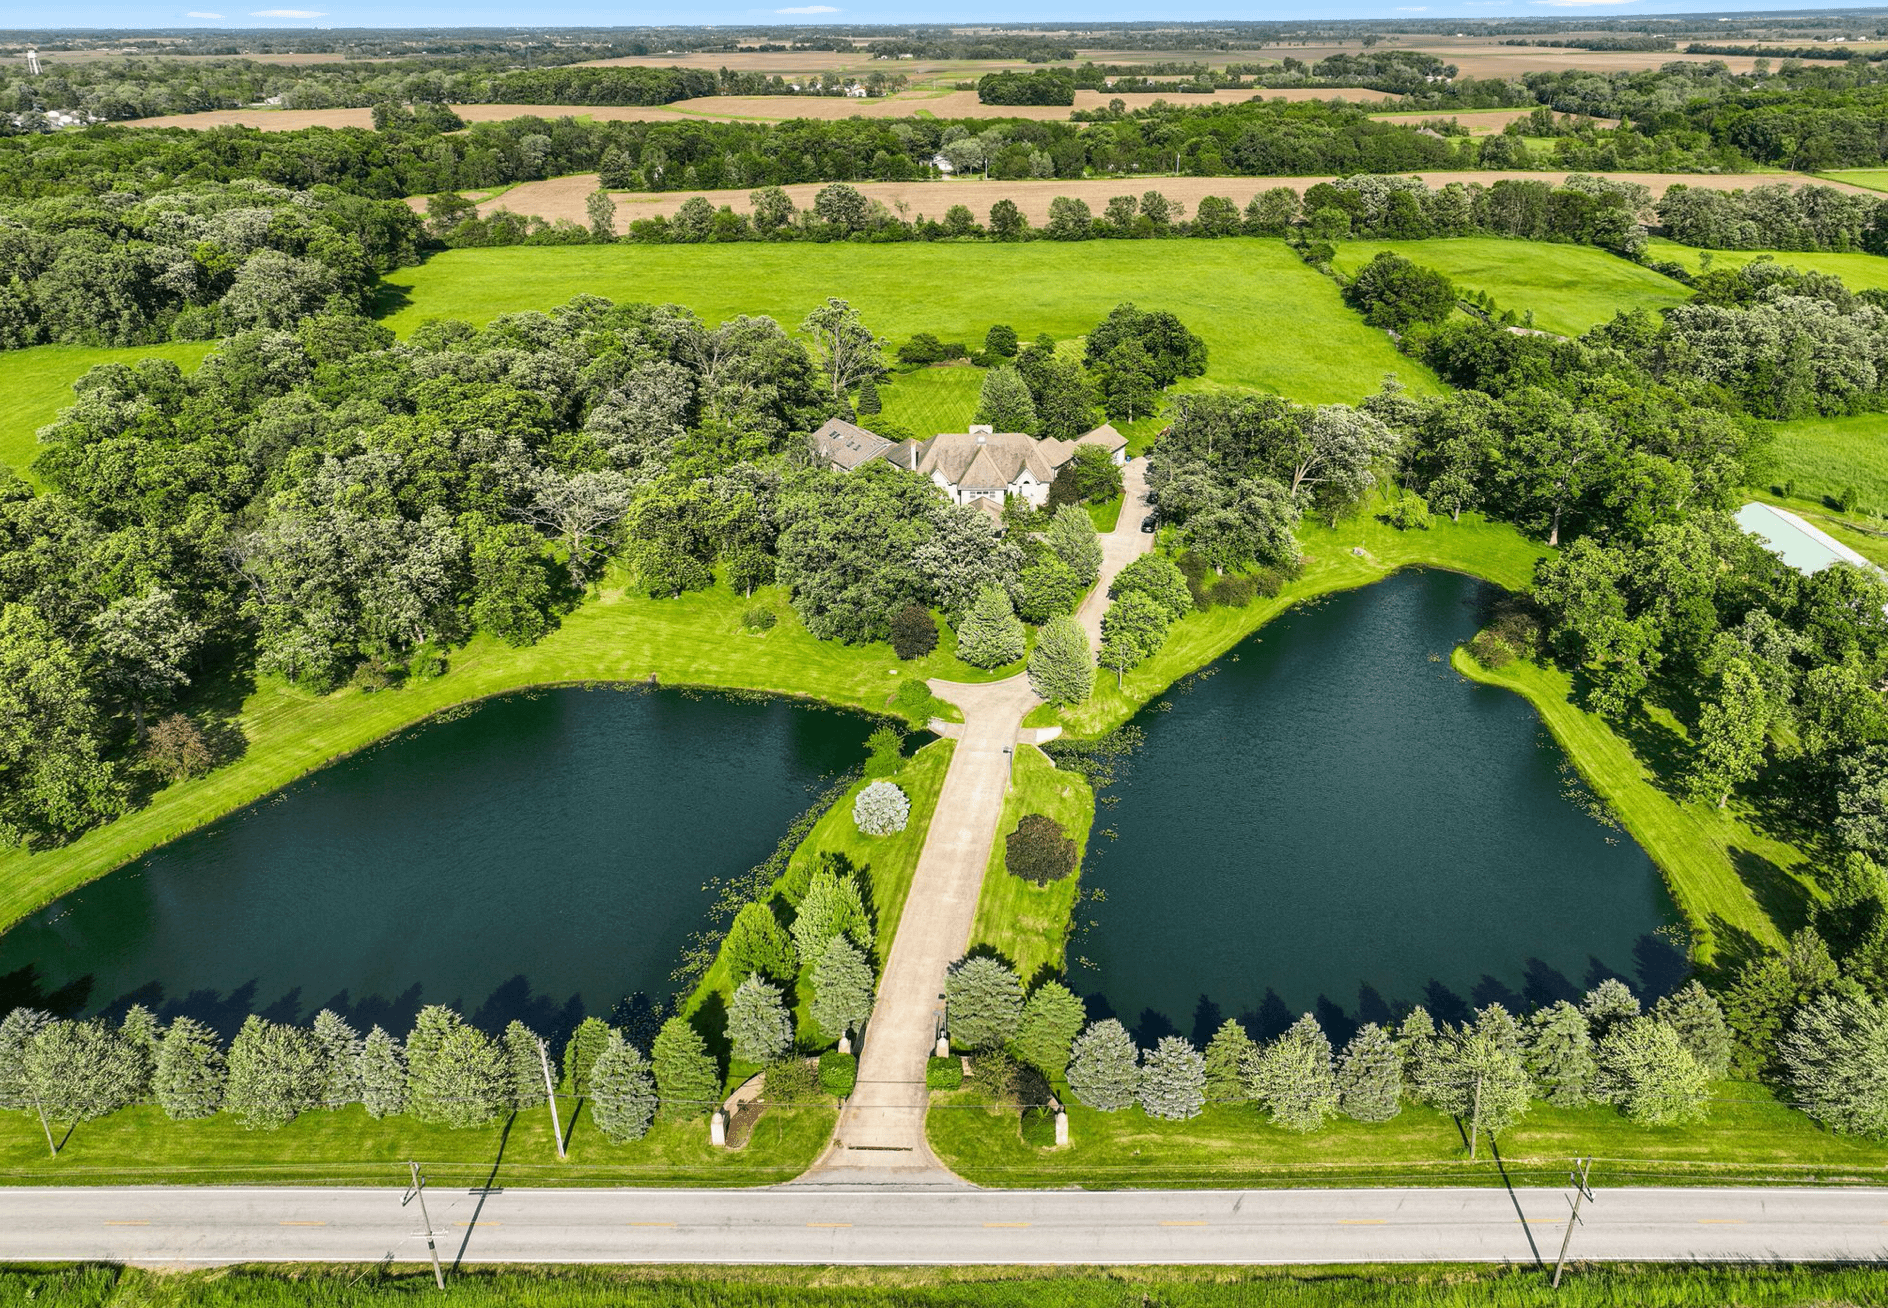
(846, 446)
(999, 456)
(1105, 436)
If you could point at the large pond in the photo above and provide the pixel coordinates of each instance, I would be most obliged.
(1334, 821)
(541, 857)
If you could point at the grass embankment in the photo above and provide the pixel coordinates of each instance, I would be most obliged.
(1824, 456)
(140, 1146)
(1029, 924)
(1401, 1285)
(1268, 320)
(35, 384)
(1749, 1137)
(1569, 287)
(694, 640)
(887, 862)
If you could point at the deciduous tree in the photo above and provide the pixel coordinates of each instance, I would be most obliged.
(1052, 1018)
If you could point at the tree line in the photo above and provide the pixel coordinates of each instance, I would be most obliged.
(192, 263)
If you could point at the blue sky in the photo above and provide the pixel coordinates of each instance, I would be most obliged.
(497, 13)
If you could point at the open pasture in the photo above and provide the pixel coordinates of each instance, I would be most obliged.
(1824, 456)
(1858, 270)
(1569, 288)
(37, 383)
(1268, 320)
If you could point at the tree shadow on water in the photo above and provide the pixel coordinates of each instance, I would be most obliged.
(24, 988)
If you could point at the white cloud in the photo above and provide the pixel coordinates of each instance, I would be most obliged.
(287, 13)
(808, 9)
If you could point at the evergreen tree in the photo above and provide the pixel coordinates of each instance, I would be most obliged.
(141, 1034)
(1052, 1018)
(18, 1027)
(1293, 1077)
(842, 989)
(338, 1052)
(623, 1092)
(523, 1066)
(1560, 1054)
(1173, 1080)
(983, 1003)
(274, 1074)
(991, 634)
(757, 943)
(1476, 1075)
(869, 402)
(1072, 537)
(1104, 1067)
(1370, 1076)
(1756, 1003)
(383, 1074)
(831, 907)
(190, 1071)
(1835, 1062)
(1699, 1022)
(1061, 669)
(1226, 1053)
(1004, 402)
(454, 1075)
(1607, 1005)
(759, 1028)
(581, 1051)
(688, 1083)
(77, 1071)
(1416, 1044)
(1645, 1068)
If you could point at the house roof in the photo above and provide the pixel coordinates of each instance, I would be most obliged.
(843, 445)
(984, 504)
(1105, 436)
(1805, 547)
(992, 460)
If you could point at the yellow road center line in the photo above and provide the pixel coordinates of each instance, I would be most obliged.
(137, 1223)
(1720, 1221)
(834, 1226)
(301, 1223)
(1186, 1223)
(1006, 1224)
(1550, 1221)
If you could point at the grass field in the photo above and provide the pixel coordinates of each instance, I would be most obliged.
(1400, 1285)
(1825, 455)
(347, 1147)
(1268, 320)
(1859, 271)
(35, 384)
(1875, 179)
(1029, 924)
(931, 400)
(1569, 288)
(1748, 1136)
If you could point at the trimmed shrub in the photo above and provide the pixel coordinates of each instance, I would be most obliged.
(838, 1073)
(759, 618)
(881, 809)
(943, 1073)
(792, 1081)
(1234, 592)
(1038, 851)
(887, 746)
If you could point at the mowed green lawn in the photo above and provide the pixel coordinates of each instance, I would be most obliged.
(1569, 287)
(931, 400)
(35, 384)
(1268, 320)
(1858, 271)
(1824, 455)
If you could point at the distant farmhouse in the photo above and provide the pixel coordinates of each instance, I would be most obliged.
(981, 466)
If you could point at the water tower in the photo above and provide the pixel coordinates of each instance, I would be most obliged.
(32, 63)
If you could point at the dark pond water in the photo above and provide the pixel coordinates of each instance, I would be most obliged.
(541, 857)
(1335, 821)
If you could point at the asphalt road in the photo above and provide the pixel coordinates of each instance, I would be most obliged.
(208, 1226)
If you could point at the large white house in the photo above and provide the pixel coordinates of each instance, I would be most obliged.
(981, 464)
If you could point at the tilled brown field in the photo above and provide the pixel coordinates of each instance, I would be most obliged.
(565, 197)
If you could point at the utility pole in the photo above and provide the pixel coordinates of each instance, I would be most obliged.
(418, 1191)
(550, 1097)
(1475, 1121)
(1581, 1191)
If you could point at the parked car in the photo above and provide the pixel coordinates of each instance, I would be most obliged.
(1150, 522)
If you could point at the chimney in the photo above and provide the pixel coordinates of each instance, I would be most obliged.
(980, 427)
(981, 438)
